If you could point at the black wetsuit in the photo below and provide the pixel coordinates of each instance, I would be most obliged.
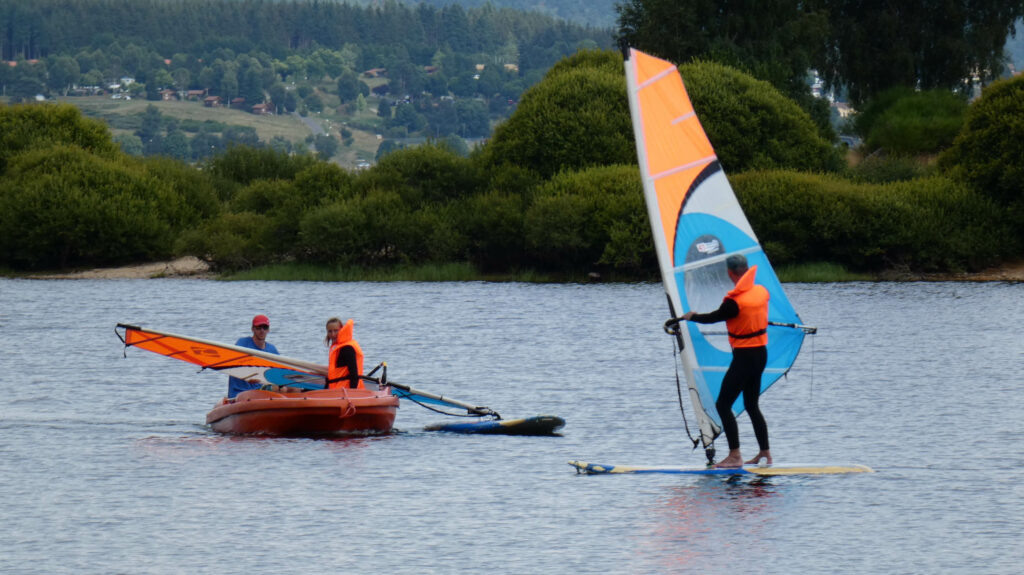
(743, 376)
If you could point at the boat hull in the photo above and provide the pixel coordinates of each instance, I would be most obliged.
(313, 413)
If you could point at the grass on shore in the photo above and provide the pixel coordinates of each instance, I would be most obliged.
(819, 272)
(450, 272)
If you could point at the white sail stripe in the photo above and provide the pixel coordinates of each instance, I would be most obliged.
(656, 77)
(684, 117)
(714, 259)
(684, 167)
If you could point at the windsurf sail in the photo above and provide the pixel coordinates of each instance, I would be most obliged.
(697, 222)
(241, 362)
(251, 364)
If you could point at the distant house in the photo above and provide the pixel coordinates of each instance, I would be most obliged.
(238, 102)
(430, 69)
(195, 94)
(168, 94)
(263, 109)
(211, 101)
(375, 72)
(844, 109)
(512, 67)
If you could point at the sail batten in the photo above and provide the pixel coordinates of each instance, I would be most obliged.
(696, 223)
(684, 167)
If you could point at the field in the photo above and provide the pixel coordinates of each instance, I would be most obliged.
(291, 127)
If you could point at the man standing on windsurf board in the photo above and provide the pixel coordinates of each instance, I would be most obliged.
(745, 313)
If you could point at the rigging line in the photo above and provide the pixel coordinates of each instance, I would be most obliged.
(812, 367)
(679, 392)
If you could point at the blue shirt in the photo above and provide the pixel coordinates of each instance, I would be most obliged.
(235, 385)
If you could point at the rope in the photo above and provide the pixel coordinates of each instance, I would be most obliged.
(441, 411)
(679, 392)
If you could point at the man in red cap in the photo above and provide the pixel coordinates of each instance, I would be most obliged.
(260, 329)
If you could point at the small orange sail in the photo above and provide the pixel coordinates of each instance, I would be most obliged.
(241, 362)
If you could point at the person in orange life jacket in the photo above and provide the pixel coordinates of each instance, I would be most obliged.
(258, 341)
(345, 358)
(745, 313)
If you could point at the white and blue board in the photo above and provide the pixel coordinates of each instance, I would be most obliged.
(537, 425)
(764, 470)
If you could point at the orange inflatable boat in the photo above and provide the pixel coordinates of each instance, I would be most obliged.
(317, 412)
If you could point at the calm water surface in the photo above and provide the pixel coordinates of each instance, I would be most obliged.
(106, 465)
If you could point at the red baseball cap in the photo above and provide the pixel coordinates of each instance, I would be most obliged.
(260, 320)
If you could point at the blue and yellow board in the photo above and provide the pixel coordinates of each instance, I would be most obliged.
(537, 425)
(601, 469)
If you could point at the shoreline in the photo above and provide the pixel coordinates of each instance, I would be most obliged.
(194, 268)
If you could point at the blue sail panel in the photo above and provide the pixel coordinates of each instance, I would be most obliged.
(703, 242)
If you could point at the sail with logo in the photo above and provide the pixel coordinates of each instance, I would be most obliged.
(697, 223)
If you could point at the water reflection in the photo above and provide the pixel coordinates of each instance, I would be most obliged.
(713, 520)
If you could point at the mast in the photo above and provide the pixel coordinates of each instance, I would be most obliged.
(709, 430)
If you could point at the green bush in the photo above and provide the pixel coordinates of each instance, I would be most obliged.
(30, 126)
(493, 224)
(882, 169)
(424, 174)
(231, 241)
(588, 219)
(196, 189)
(904, 122)
(577, 117)
(64, 207)
(754, 126)
(243, 164)
(363, 230)
(928, 224)
(988, 154)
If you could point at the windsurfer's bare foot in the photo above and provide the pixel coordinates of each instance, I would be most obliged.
(765, 455)
(732, 461)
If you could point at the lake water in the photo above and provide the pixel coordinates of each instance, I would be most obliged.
(106, 466)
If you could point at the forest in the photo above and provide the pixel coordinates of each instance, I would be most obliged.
(395, 70)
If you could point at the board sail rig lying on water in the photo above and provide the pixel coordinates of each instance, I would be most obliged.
(697, 223)
(252, 409)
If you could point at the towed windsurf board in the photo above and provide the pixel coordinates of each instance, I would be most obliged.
(537, 425)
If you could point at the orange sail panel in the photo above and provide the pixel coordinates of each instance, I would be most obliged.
(240, 362)
(677, 149)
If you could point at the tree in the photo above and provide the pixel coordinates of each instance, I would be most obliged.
(181, 77)
(176, 145)
(406, 115)
(773, 40)
(914, 43)
(150, 129)
(326, 146)
(350, 88)
(578, 116)
(64, 72)
(277, 94)
(987, 154)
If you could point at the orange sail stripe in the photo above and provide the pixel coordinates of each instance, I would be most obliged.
(676, 145)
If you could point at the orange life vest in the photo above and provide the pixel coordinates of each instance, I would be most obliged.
(339, 376)
(750, 327)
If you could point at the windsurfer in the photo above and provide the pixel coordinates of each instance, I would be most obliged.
(258, 340)
(345, 358)
(745, 313)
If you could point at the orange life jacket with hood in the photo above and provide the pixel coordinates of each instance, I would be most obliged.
(750, 327)
(339, 376)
